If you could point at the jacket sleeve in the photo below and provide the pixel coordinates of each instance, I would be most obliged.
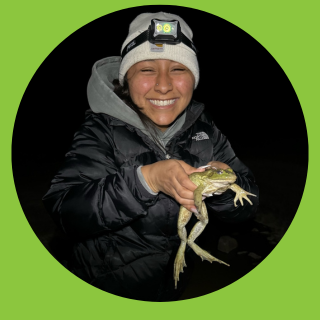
(223, 205)
(90, 194)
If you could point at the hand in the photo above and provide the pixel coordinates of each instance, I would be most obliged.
(172, 178)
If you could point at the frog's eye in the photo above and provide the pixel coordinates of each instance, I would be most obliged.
(219, 172)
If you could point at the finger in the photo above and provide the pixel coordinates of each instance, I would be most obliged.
(183, 201)
(191, 208)
(203, 167)
(200, 169)
(189, 169)
(184, 181)
(218, 164)
(183, 192)
(193, 169)
(181, 182)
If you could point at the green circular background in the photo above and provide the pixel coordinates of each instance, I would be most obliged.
(35, 285)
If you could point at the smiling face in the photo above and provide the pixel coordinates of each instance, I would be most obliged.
(161, 88)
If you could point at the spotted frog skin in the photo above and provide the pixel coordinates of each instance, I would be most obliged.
(210, 182)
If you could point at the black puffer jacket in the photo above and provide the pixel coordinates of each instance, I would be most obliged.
(125, 238)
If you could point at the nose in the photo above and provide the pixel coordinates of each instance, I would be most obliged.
(163, 83)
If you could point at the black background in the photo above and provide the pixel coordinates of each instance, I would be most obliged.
(248, 94)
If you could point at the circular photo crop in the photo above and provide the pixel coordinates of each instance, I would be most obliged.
(160, 153)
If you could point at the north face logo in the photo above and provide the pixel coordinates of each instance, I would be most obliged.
(200, 136)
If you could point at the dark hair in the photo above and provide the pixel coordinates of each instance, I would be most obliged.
(122, 91)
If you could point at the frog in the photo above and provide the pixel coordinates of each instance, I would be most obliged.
(212, 181)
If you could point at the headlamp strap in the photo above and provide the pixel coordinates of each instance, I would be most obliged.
(144, 36)
(140, 39)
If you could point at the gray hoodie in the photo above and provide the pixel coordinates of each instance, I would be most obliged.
(102, 99)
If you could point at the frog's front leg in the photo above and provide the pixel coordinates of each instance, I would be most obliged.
(179, 263)
(196, 231)
(240, 194)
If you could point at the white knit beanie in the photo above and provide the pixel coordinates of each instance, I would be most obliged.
(179, 52)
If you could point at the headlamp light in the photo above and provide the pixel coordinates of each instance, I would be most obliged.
(164, 31)
(160, 31)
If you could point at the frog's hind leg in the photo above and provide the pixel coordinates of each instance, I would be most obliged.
(196, 231)
(198, 198)
(179, 263)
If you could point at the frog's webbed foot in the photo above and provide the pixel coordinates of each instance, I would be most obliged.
(205, 255)
(179, 263)
(240, 194)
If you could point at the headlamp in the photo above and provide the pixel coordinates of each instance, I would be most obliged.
(164, 31)
(160, 31)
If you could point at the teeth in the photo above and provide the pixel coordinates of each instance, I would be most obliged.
(162, 103)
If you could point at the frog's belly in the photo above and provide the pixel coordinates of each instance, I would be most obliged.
(219, 189)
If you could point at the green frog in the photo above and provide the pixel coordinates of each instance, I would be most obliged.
(210, 182)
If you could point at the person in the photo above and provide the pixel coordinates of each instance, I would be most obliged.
(118, 192)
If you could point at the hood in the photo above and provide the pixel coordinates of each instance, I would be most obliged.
(100, 93)
(102, 99)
